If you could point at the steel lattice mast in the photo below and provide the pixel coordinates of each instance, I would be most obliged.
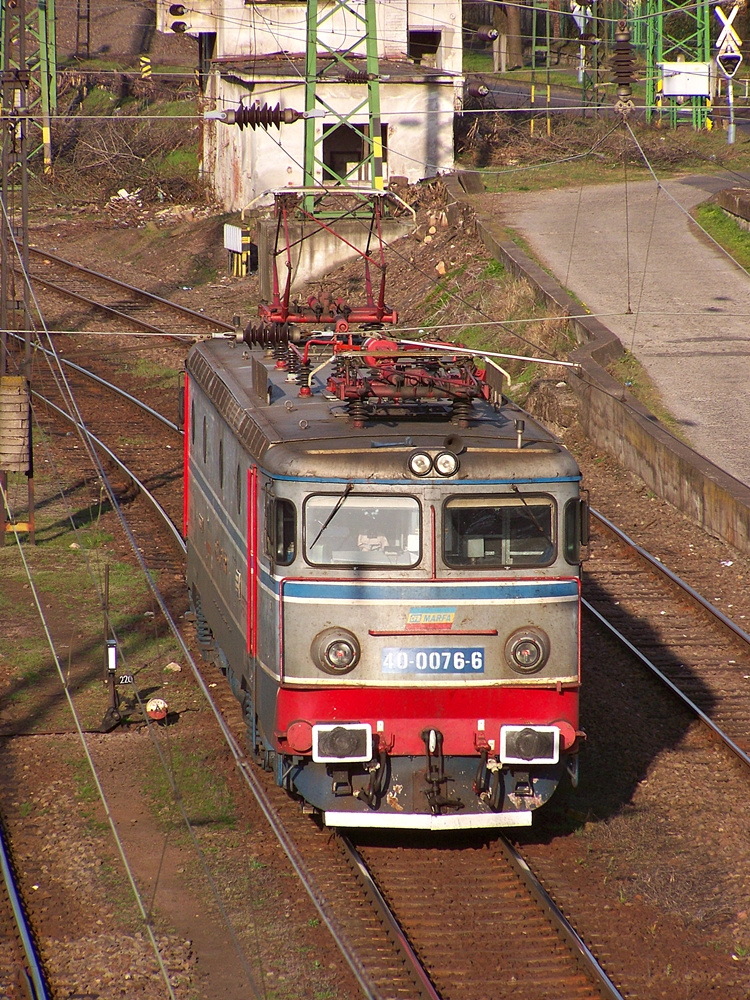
(32, 52)
(347, 65)
(14, 122)
(675, 32)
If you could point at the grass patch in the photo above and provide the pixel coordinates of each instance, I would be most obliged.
(67, 567)
(477, 61)
(727, 233)
(630, 373)
(490, 291)
(202, 270)
(579, 151)
(151, 371)
(203, 794)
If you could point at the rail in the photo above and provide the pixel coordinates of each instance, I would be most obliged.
(32, 974)
(132, 290)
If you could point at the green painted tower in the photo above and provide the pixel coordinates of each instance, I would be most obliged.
(676, 32)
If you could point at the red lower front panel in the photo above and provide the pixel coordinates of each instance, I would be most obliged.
(468, 718)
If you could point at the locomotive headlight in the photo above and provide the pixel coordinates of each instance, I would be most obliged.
(527, 650)
(419, 463)
(340, 654)
(335, 650)
(446, 463)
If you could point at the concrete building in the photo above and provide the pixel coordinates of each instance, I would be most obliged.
(254, 53)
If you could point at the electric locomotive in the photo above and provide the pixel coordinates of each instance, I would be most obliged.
(384, 556)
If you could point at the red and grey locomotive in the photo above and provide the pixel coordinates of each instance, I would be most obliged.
(384, 554)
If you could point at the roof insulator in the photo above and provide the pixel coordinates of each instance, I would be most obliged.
(486, 33)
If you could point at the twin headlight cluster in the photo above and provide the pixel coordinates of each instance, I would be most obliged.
(336, 650)
(351, 743)
(422, 463)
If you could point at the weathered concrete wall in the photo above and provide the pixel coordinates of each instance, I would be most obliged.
(615, 421)
(243, 166)
(319, 252)
(736, 204)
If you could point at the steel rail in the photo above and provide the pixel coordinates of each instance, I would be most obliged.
(133, 320)
(108, 385)
(175, 532)
(704, 604)
(673, 578)
(727, 740)
(386, 914)
(131, 290)
(570, 935)
(33, 973)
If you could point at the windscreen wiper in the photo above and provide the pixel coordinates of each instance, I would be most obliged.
(347, 490)
(539, 527)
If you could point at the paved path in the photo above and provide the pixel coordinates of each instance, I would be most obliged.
(690, 319)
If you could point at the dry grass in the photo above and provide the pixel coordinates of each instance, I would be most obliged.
(495, 141)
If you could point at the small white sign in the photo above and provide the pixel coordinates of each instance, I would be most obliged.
(685, 79)
(233, 238)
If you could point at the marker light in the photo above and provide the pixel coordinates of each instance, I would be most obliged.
(527, 650)
(335, 651)
(419, 463)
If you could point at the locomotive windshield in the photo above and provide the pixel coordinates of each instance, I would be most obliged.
(499, 531)
(349, 530)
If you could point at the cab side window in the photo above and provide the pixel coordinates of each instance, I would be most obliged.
(575, 529)
(281, 531)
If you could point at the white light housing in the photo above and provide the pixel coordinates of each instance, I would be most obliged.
(529, 744)
(342, 743)
(446, 463)
(527, 650)
(335, 650)
(420, 463)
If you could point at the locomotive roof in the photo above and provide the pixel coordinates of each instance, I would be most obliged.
(294, 435)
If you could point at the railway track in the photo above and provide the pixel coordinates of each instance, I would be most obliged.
(701, 652)
(372, 938)
(135, 308)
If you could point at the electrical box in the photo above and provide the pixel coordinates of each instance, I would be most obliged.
(685, 79)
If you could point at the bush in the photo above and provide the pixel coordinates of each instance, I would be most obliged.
(107, 142)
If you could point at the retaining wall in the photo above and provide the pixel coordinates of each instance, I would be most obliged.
(613, 419)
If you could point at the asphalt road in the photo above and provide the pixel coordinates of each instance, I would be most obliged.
(672, 297)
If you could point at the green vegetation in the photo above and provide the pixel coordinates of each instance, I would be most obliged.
(202, 270)
(514, 152)
(477, 61)
(726, 231)
(103, 145)
(629, 372)
(202, 793)
(67, 566)
(489, 290)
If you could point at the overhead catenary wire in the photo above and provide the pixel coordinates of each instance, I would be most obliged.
(503, 4)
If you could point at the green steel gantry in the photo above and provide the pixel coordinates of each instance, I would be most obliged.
(337, 66)
(676, 32)
(28, 46)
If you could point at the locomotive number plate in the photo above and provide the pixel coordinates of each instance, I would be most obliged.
(431, 661)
